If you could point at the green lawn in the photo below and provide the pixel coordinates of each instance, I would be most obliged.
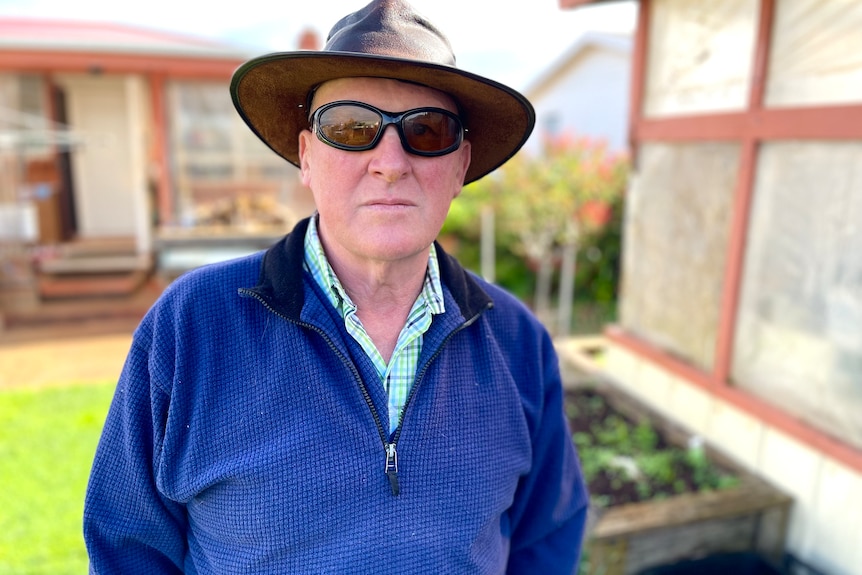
(47, 441)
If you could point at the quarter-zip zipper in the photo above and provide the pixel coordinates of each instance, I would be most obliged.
(391, 447)
(390, 443)
(392, 468)
(421, 375)
(384, 437)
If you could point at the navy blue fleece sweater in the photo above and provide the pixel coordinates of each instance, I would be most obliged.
(248, 434)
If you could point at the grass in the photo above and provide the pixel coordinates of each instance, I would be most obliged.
(47, 440)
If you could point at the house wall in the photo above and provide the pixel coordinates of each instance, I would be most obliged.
(587, 97)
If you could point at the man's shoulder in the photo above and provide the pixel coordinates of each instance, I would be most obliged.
(502, 297)
(240, 271)
(214, 281)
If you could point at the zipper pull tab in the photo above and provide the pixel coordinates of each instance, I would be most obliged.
(392, 468)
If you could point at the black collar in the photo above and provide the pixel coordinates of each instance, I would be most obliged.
(282, 272)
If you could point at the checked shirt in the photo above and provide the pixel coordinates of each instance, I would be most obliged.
(398, 376)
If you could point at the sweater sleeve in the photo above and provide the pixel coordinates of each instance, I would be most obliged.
(129, 527)
(550, 509)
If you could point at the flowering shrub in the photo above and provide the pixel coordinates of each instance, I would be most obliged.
(565, 201)
(560, 196)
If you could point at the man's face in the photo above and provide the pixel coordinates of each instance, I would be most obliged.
(383, 204)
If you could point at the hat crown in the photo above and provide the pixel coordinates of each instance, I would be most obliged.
(390, 28)
(385, 39)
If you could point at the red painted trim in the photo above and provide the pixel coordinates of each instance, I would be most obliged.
(760, 69)
(159, 151)
(830, 123)
(638, 74)
(735, 261)
(740, 216)
(659, 356)
(693, 128)
(841, 122)
(58, 61)
(754, 406)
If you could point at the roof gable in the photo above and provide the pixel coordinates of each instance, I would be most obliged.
(617, 43)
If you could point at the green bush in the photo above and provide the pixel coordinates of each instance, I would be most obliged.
(599, 260)
(572, 193)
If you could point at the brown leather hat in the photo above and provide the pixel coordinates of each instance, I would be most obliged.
(386, 39)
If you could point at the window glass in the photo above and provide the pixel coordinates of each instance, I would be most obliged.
(25, 132)
(677, 219)
(8, 161)
(798, 339)
(223, 175)
(816, 53)
(700, 56)
(24, 115)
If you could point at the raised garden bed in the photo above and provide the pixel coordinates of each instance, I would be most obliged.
(626, 460)
(660, 495)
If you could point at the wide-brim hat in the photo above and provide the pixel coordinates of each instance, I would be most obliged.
(385, 39)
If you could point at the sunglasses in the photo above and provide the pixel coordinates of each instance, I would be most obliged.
(356, 127)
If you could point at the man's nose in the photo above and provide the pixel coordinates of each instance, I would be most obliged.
(390, 158)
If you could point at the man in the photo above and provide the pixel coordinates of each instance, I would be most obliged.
(351, 400)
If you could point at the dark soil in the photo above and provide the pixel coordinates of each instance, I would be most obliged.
(627, 461)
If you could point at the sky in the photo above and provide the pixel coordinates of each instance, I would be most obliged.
(513, 44)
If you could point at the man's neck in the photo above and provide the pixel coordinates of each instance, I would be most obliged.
(384, 285)
(383, 292)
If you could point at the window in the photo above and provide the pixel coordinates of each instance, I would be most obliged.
(700, 56)
(678, 210)
(744, 221)
(816, 55)
(223, 174)
(799, 332)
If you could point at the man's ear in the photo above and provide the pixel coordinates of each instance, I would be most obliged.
(304, 158)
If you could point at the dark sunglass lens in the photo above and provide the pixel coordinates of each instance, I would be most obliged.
(349, 126)
(430, 131)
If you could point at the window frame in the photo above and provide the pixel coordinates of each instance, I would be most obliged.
(750, 127)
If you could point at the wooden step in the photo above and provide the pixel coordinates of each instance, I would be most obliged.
(89, 247)
(70, 285)
(96, 264)
(26, 316)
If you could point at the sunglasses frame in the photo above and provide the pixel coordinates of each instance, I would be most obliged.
(387, 119)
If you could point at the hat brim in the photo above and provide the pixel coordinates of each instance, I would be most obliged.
(270, 94)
